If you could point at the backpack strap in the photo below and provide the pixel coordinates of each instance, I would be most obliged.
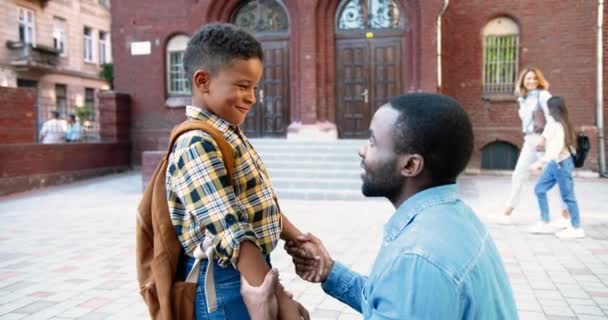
(215, 134)
(204, 250)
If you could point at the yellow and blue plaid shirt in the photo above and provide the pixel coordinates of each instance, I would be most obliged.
(202, 203)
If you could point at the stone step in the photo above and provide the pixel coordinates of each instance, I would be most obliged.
(257, 142)
(322, 166)
(277, 172)
(310, 157)
(316, 183)
(315, 194)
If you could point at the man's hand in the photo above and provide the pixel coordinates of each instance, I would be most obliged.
(312, 261)
(261, 301)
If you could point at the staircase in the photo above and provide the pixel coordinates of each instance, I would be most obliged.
(313, 170)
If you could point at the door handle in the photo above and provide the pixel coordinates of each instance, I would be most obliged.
(365, 95)
(262, 96)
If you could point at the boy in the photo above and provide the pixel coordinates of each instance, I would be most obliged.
(243, 222)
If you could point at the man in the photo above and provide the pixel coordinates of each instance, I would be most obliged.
(53, 130)
(437, 260)
(74, 132)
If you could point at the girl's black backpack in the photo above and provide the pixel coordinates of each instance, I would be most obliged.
(582, 150)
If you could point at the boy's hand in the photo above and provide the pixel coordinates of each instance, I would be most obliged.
(311, 259)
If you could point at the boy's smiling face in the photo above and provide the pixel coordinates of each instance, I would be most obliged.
(230, 92)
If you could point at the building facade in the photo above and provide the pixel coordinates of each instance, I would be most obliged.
(331, 63)
(59, 48)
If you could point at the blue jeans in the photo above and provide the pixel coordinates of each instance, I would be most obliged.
(230, 305)
(560, 174)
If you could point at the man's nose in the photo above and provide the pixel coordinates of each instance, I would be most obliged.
(362, 150)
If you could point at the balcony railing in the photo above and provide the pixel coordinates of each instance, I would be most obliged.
(26, 55)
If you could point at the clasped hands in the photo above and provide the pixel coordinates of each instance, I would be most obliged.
(312, 263)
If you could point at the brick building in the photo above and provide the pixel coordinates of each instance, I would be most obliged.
(331, 63)
(57, 47)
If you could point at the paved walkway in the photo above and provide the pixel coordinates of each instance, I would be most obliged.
(68, 252)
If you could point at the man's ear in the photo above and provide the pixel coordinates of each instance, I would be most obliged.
(200, 80)
(411, 165)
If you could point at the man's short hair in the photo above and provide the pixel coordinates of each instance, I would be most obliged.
(216, 45)
(436, 127)
(55, 114)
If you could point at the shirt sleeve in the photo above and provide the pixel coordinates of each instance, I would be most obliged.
(554, 141)
(201, 182)
(345, 285)
(414, 288)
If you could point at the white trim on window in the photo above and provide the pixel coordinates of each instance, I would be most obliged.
(500, 56)
(26, 25)
(88, 50)
(59, 37)
(177, 83)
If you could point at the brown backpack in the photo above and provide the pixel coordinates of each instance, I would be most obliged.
(157, 247)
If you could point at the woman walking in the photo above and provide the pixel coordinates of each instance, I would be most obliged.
(532, 89)
(560, 144)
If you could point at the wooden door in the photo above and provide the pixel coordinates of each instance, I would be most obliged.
(352, 87)
(368, 74)
(270, 115)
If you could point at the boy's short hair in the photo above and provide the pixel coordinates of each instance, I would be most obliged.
(437, 128)
(216, 45)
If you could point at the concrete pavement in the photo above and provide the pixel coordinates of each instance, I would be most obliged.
(67, 252)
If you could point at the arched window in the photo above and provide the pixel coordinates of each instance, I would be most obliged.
(177, 83)
(369, 14)
(500, 56)
(499, 156)
(261, 16)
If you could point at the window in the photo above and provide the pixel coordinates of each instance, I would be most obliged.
(499, 155)
(59, 36)
(104, 3)
(61, 98)
(500, 56)
(177, 83)
(88, 44)
(104, 46)
(27, 29)
(369, 14)
(261, 16)
(89, 102)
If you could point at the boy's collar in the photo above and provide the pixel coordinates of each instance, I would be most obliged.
(204, 114)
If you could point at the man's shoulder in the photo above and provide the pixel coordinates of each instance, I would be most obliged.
(449, 236)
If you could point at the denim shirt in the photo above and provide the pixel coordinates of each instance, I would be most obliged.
(437, 261)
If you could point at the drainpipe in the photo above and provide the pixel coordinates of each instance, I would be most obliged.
(600, 89)
(445, 6)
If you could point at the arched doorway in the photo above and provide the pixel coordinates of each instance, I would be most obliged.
(268, 21)
(499, 155)
(369, 59)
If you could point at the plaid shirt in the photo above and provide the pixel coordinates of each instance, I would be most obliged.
(202, 202)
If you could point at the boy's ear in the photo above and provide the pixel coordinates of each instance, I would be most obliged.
(201, 80)
(411, 165)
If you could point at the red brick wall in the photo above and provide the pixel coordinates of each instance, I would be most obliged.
(312, 57)
(114, 116)
(17, 117)
(27, 166)
(561, 43)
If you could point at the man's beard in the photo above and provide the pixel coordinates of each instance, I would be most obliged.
(383, 182)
